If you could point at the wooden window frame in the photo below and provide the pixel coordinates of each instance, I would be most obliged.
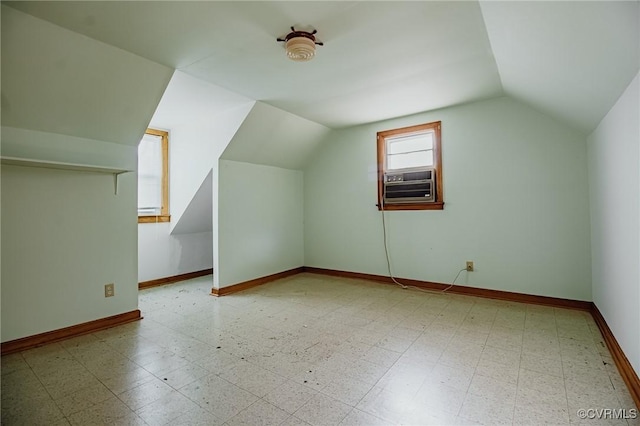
(438, 204)
(164, 215)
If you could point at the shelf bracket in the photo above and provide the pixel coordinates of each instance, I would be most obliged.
(116, 179)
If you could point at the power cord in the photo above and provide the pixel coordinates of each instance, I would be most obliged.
(454, 280)
(386, 252)
(386, 249)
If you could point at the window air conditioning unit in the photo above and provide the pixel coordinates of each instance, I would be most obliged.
(410, 186)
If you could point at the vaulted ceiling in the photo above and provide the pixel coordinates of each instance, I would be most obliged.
(382, 59)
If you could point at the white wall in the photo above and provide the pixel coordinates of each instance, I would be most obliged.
(260, 211)
(201, 119)
(194, 149)
(614, 180)
(162, 255)
(65, 234)
(272, 137)
(516, 203)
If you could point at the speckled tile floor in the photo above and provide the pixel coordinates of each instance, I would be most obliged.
(320, 350)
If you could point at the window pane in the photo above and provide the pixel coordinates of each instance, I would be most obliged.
(411, 159)
(150, 175)
(404, 144)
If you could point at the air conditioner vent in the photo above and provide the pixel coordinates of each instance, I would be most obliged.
(410, 186)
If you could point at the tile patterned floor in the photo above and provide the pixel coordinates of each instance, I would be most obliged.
(320, 350)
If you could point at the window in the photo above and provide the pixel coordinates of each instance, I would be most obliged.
(410, 168)
(153, 177)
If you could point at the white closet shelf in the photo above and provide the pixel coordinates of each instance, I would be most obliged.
(31, 162)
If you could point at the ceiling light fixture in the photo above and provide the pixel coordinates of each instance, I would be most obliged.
(300, 45)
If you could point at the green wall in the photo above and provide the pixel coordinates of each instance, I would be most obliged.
(516, 194)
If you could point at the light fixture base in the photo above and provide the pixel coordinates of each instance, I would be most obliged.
(300, 45)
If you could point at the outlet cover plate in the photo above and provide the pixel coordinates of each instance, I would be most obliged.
(109, 290)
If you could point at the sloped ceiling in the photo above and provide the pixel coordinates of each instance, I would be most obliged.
(569, 59)
(379, 60)
(193, 102)
(57, 81)
(201, 119)
(275, 137)
(198, 216)
(382, 59)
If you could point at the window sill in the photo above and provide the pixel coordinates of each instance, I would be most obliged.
(154, 219)
(431, 206)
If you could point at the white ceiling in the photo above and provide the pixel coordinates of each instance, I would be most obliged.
(273, 137)
(570, 59)
(191, 101)
(382, 59)
(59, 82)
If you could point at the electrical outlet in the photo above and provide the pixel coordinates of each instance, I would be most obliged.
(469, 266)
(109, 290)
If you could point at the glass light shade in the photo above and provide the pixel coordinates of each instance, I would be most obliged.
(300, 49)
